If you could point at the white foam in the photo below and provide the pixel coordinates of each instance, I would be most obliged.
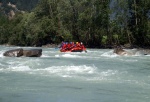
(109, 54)
(66, 70)
(92, 51)
(70, 56)
(81, 72)
(16, 69)
(1, 69)
(63, 70)
(57, 55)
(45, 56)
(19, 68)
(1, 53)
(108, 73)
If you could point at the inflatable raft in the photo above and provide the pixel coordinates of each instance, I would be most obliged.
(72, 47)
(75, 49)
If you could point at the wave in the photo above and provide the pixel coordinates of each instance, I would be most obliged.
(71, 56)
(1, 53)
(82, 72)
(109, 54)
(89, 73)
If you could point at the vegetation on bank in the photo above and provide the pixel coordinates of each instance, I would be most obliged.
(96, 23)
(27, 5)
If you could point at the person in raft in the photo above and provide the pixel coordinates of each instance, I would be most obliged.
(66, 46)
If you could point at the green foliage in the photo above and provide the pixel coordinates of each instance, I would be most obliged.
(25, 5)
(104, 40)
(94, 22)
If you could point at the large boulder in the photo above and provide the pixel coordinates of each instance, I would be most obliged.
(32, 53)
(14, 53)
(21, 52)
(120, 51)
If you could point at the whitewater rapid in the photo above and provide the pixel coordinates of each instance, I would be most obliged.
(78, 72)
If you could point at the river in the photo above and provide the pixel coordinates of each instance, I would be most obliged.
(96, 76)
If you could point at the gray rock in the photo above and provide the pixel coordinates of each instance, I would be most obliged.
(21, 52)
(32, 53)
(14, 53)
(122, 52)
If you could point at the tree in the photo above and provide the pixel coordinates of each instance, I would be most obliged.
(119, 22)
(138, 22)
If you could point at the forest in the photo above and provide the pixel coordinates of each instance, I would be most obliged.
(96, 23)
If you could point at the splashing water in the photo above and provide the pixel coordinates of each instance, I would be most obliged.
(98, 75)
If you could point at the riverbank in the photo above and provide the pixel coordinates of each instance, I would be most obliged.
(47, 45)
(125, 46)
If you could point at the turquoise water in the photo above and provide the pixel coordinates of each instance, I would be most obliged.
(96, 76)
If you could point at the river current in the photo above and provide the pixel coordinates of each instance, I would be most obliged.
(96, 76)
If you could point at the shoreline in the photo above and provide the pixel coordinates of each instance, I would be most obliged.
(102, 47)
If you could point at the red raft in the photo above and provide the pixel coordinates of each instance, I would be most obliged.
(72, 47)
